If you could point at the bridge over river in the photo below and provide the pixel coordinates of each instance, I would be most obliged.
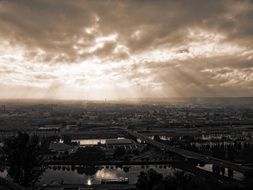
(189, 154)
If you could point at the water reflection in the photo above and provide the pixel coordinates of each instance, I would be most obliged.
(3, 173)
(89, 170)
(210, 168)
(89, 182)
(94, 175)
(106, 174)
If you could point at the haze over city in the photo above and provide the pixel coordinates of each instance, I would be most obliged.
(125, 49)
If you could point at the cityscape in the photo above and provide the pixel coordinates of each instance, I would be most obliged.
(108, 145)
(126, 95)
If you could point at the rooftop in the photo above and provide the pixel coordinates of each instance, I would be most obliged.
(118, 141)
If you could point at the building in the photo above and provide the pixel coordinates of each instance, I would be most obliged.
(62, 148)
(122, 143)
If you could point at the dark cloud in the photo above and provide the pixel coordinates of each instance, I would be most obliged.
(69, 32)
(53, 25)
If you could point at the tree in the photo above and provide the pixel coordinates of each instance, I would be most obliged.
(119, 152)
(248, 179)
(2, 160)
(147, 181)
(67, 139)
(179, 181)
(186, 181)
(88, 155)
(25, 159)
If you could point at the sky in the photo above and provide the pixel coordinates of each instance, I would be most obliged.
(121, 49)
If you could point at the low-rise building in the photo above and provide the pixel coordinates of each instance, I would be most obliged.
(62, 148)
(127, 144)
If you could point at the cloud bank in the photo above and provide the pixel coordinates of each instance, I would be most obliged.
(98, 49)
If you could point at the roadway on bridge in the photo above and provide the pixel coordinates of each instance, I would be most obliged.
(189, 154)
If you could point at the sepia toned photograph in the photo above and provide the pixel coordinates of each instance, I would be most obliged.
(126, 94)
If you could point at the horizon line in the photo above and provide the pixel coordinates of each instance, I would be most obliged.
(162, 99)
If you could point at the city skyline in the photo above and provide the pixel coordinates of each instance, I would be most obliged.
(99, 50)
